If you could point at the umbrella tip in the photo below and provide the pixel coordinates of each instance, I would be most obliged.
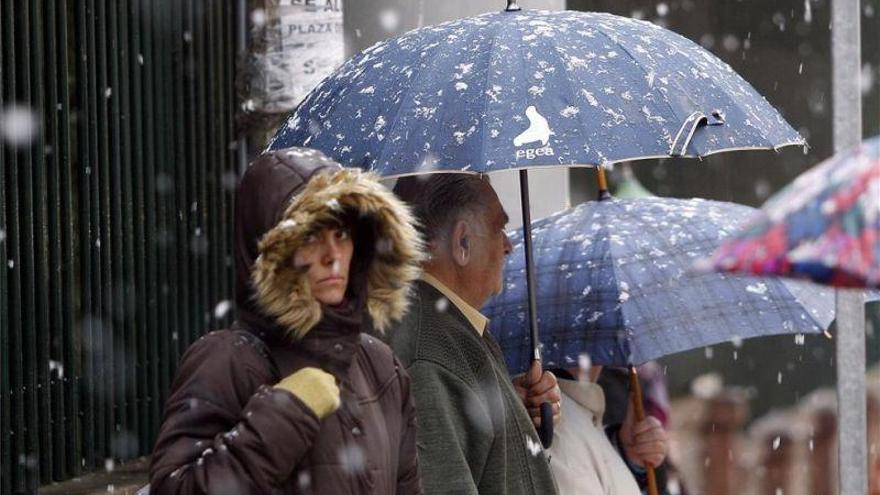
(512, 6)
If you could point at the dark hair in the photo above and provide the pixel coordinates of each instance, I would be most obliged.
(438, 200)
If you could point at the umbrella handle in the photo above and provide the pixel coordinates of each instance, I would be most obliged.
(602, 183)
(545, 431)
(640, 415)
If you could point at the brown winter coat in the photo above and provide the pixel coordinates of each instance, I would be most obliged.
(226, 428)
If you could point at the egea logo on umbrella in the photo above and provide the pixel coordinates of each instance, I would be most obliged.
(538, 131)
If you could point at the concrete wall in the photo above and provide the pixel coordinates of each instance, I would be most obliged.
(369, 21)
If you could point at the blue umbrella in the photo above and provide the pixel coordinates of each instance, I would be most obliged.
(530, 88)
(615, 282)
(521, 89)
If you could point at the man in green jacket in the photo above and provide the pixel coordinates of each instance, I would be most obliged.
(476, 427)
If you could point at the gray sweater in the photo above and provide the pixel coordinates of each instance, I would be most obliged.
(474, 435)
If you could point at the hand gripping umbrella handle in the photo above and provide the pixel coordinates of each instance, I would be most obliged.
(640, 415)
(545, 431)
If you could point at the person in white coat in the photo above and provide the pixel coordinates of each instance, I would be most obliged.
(583, 458)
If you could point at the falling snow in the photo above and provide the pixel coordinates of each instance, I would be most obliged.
(662, 9)
(441, 305)
(18, 125)
(352, 459)
(57, 367)
(222, 309)
(258, 17)
(389, 19)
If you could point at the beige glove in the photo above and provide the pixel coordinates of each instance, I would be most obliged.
(316, 388)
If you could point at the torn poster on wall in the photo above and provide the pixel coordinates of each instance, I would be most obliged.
(294, 45)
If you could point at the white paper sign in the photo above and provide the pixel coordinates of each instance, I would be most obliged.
(300, 43)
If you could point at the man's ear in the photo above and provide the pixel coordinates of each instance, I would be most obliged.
(460, 243)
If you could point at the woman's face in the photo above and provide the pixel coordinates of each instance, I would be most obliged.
(327, 254)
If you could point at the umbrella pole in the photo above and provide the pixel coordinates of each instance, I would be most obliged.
(545, 432)
(633, 374)
(636, 388)
(602, 182)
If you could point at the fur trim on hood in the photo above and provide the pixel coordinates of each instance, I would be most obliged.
(283, 290)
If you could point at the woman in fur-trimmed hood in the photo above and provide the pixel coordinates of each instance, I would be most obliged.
(295, 398)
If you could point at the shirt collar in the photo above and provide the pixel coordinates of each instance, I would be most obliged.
(588, 394)
(476, 319)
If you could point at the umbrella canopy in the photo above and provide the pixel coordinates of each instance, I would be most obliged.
(615, 282)
(528, 89)
(824, 226)
(522, 89)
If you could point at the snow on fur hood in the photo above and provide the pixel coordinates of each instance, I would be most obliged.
(283, 291)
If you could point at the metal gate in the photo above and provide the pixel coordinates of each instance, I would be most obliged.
(115, 221)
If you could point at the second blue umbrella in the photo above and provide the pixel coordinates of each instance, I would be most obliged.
(615, 282)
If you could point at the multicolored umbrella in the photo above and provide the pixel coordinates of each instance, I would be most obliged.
(824, 226)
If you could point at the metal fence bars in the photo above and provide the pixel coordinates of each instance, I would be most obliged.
(115, 220)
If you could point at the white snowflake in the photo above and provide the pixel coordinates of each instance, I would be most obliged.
(757, 288)
(533, 446)
(56, 366)
(441, 305)
(223, 307)
(18, 125)
(590, 98)
(464, 68)
(569, 111)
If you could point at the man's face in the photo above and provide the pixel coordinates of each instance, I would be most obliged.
(489, 247)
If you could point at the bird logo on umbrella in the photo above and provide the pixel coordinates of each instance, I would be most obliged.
(538, 131)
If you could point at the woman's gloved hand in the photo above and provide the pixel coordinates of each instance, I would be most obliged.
(316, 388)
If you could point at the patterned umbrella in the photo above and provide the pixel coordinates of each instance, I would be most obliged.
(521, 88)
(824, 226)
(528, 88)
(615, 282)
